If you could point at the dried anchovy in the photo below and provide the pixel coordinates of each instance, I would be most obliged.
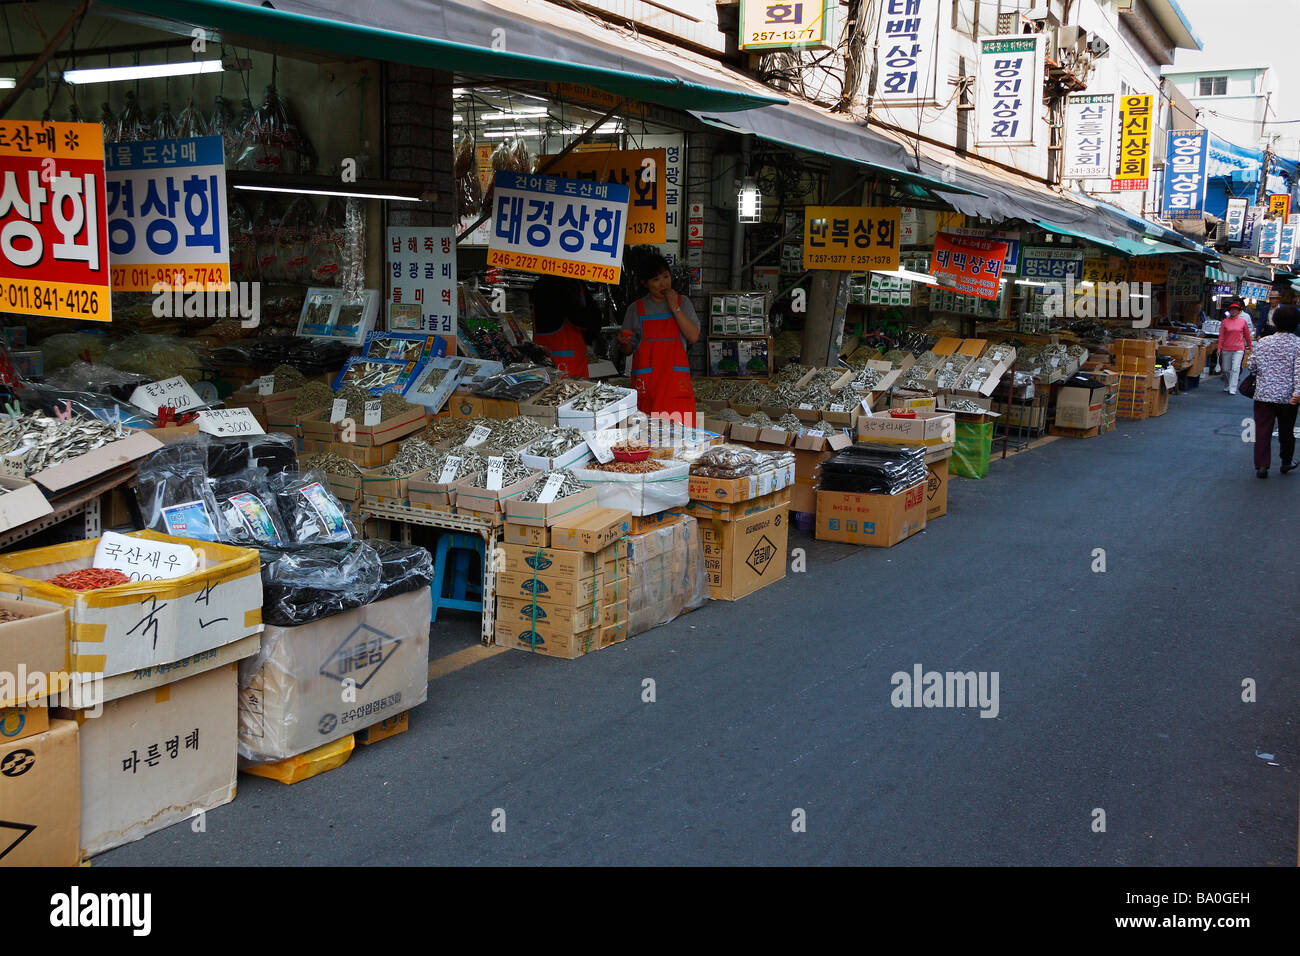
(570, 486)
(895, 356)
(313, 396)
(867, 378)
(755, 393)
(629, 467)
(825, 376)
(964, 405)
(716, 388)
(557, 394)
(433, 380)
(454, 430)
(414, 455)
(730, 415)
(331, 464)
(287, 377)
(818, 396)
(786, 394)
(471, 462)
(789, 423)
(792, 373)
(598, 398)
(761, 419)
(516, 432)
(515, 471)
(823, 426)
(555, 442)
(47, 441)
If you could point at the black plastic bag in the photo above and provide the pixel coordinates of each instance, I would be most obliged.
(309, 510)
(405, 568)
(173, 493)
(248, 509)
(301, 585)
(273, 453)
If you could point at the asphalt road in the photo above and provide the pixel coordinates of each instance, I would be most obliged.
(1118, 691)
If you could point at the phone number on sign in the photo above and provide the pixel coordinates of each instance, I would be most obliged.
(36, 298)
(144, 278)
(775, 36)
(844, 260)
(587, 271)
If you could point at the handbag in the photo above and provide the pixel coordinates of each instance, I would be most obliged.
(1247, 386)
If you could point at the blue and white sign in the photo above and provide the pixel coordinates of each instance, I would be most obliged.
(167, 218)
(1009, 90)
(1051, 263)
(1090, 124)
(555, 226)
(911, 48)
(1249, 289)
(1270, 238)
(1236, 217)
(1286, 245)
(1186, 156)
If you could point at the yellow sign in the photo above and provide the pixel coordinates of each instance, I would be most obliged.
(483, 160)
(1153, 269)
(1279, 205)
(1113, 269)
(580, 93)
(1135, 125)
(640, 170)
(550, 266)
(773, 24)
(851, 237)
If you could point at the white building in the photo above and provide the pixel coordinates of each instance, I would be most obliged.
(1234, 101)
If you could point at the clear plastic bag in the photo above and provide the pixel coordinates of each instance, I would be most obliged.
(665, 575)
(190, 123)
(404, 568)
(271, 141)
(248, 509)
(174, 496)
(131, 123)
(164, 125)
(273, 453)
(300, 585)
(311, 513)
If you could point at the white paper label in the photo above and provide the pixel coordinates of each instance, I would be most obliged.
(838, 408)
(496, 473)
(807, 408)
(229, 421)
(266, 385)
(338, 410)
(478, 436)
(144, 560)
(173, 392)
(372, 413)
(550, 489)
(866, 407)
(814, 433)
(598, 442)
(449, 468)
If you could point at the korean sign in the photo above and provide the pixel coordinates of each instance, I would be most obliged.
(1249, 289)
(910, 41)
(1009, 90)
(1270, 238)
(1185, 173)
(674, 189)
(1112, 269)
(167, 214)
(422, 272)
(554, 226)
(1135, 124)
(1090, 135)
(1286, 244)
(1236, 217)
(975, 264)
(640, 170)
(1052, 263)
(53, 241)
(1153, 269)
(850, 237)
(1011, 261)
(766, 25)
(1279, 205)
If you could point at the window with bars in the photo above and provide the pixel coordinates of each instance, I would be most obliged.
(1212, 86)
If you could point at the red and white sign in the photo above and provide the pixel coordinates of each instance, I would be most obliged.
(975, 264)
(53, 233)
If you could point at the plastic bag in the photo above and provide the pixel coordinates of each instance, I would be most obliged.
(65, 348)
(164, 124)
(271, 140)
(325, 252)
(174, 496)
(273, 453)
(190, 123)
(405, 568)
(311, 513)
(293, 237)
(131, 124)
(300, 585)
(158, 357)
(248, 510)
(469, 191)
(665, 575)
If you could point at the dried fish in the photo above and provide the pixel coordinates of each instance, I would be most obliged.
(755, 393)
(562, 391)
(471, 462)
(313, 395)
(515, 471)
(598, 398)
(331, 464)
(515, 432)
(555, 442)
(965, 405)
(629, 467)
(413, 455)
(287, 377)
(570, 485)
(37, 441)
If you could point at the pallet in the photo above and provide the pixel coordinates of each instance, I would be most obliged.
(1060, 432)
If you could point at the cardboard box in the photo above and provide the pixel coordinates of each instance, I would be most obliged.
(171, 434)
(591, 530)
(35, 645)
(124, 628)
(742, 489)
(803, 497)
(388, 727)
(558, 561)
(568, 417)
(290, 694)
(736, 510)
(836, 441)
(568, 509)
(907, 399)
(570, 590)
(60, 479)
(927, 428)
(19, 722)
(389, 430)
(514, 613)
(747, 554)
(547, 640)
(153, 758)
(526, 534)
(639, 524)
(40, 793)
(640, 494)
(936, 482)
(485, 502)
(880, 521)
(467, 406)
(375, 484)
(547, 413)
(1079, 407)
(366, 456)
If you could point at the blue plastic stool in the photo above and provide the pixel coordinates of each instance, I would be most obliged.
(458, 547)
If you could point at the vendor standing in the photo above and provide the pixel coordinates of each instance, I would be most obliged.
(564, 321)
(657, 330)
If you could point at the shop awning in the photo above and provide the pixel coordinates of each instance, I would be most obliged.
(1150, 247)
(1218, 275)
(1112, 243)
(839, 137)
(509, 39)
(1239, 268)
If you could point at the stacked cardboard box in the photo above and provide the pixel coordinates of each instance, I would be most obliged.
(1141, 396)
(745, 549)
(879, 521)
(1135, 358)
(665, 574)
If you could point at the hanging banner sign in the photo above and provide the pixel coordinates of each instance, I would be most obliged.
(167, 214)
(1279, 205)
(640, 170)
(974, 264)
(1135, 125)
(562, 227)
(1236, 218)
(1286, 248)
(1052, 263)
(767, 25)
(1089, 136)
(1010, 236)
(1112, 269)
(422, 272)
(911, 48)
(674, 191)
(53, 240)
(1186, 155)
(1249, 289)
(1270, 239)
(1009, 90)
(580, 93)
(851, 237)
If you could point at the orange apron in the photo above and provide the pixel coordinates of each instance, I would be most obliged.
(660, 369)
(567, 348)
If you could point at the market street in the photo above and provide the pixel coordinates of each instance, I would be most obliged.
(1119, 690)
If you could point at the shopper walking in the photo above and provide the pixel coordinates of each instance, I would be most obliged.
(1234, 340)
(1276, 364)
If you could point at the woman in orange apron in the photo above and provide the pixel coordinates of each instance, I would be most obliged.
(563, 318)
(656, 331)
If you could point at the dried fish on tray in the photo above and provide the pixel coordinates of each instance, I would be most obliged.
(515, 471)
(555, 443)
(413, 455)
(570, 485)
(36, 442)
(553, 396)
(331, 464)
(598, 399)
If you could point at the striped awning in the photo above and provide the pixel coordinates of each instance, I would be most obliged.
(1218, 275)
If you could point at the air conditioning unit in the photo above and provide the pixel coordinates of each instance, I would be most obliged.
(1072, 39)
(1040, 21)
(1098, 47)
(1010, 24)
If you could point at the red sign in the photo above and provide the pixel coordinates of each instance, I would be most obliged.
(975, 264)
(53, 232)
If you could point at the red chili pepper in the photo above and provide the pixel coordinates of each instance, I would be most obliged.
(89, 579)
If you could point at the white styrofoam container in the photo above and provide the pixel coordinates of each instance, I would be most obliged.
(641, 494)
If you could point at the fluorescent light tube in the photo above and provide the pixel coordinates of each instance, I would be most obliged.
(329, 192)
(114, 74)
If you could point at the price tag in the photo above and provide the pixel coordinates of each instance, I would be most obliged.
(814, 433)
(12, 465)
(174, 392)
(144, 560)
(806, 408)
(478, 436)
(266, 385)
(496, 472)
(229, 421)
(866, 407)
(338, 410)
(598, 442)
(372, 413)
(550, 489)
(450, 466)
(838, 408)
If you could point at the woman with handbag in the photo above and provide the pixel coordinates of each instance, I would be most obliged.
(1274, 383)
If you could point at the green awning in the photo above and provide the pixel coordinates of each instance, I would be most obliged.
(1151, 247)
(1111, 244)
(397, 31)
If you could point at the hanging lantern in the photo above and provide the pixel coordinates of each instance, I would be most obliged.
(749, 202)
